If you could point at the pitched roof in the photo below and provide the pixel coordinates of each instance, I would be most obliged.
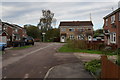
(117, 10)
(12, 25)
(76, 23)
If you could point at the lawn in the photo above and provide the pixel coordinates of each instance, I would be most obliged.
(1, 52)
(23, 47)
(65, 48)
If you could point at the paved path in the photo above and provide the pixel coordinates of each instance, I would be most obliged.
(34, 62)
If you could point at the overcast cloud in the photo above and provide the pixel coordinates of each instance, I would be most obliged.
(22, 13)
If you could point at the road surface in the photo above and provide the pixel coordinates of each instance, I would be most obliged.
(34, 62)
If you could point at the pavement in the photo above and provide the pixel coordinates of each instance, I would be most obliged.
(70, 70)
(86, 57)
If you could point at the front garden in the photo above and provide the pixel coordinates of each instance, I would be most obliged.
(84, 47)
(93, 66)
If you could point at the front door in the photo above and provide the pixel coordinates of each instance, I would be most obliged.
(62, 38)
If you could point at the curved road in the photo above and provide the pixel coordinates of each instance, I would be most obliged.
(34, 62)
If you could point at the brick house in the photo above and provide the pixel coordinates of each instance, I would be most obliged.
(112, 28)
(78, 30)
(13, 32)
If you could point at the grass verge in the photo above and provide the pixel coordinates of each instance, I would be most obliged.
(23, 47)
(65, 48)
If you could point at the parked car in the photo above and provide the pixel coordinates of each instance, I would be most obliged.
(2, 46)
(29, 40)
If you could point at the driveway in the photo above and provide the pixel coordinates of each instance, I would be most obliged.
(34, 62)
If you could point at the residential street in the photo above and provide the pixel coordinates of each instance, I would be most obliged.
(34, 62)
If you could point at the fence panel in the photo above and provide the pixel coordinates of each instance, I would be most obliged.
(109, 69)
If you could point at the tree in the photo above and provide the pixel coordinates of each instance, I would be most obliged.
(98, 32)
(46, 20)
(33, 31)
(52, 34)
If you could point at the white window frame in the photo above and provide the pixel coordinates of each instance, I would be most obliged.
(81, 29)
(106, 22)
(113, 37)
(89, 38)
(73, 29)
(112, 19)
(71, 37)
(79, 37)
(16, 30)
(63, 29)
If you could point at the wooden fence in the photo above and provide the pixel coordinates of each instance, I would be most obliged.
(110, 70)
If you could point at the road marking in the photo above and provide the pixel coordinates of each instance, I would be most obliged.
(26, 76)
(40, 49)
(46, 76)
(45, 67)
(15, 59)
(5, 77)
(40, 72)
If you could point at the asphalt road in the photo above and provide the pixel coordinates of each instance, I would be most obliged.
(34, 62)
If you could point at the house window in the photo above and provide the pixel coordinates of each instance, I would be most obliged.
(16, 30)
(80, 29)
(24, 31)
(89, 28)
(113, 37)
(80, 37)
(112, 19)
(89, 38)
(0, 27)
(71, 29)
(63, 29)
(106, 23)
(71, 37)
(4, 28)
(119, 16)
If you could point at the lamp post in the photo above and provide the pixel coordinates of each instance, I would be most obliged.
(43, 36)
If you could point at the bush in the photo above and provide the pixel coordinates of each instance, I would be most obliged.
(77, 44)
(93, 66)
(117, 52)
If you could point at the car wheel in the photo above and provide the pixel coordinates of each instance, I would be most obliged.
(32, 43)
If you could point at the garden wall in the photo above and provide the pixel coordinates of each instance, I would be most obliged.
(110, 70)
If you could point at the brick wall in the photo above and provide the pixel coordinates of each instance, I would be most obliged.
(75, 32)
(113, 29)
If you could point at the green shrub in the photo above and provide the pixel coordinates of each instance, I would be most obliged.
(117, 52)
(77, 44)
(93, 66)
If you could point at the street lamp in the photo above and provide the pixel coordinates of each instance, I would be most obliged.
(43, 36)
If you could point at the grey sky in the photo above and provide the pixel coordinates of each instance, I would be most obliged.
(23, 13)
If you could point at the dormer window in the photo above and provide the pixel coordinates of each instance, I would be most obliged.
(112, 19)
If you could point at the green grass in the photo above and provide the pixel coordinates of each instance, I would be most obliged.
(65, 48)
(1, 52)
(23, 47)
